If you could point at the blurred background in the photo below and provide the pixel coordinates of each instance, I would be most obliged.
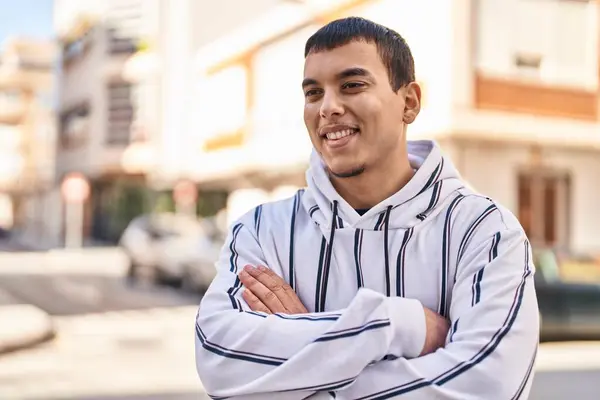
(132, 132)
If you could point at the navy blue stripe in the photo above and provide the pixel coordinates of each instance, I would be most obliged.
(479, 277)
(357, 254)
(325, 280)
(292, 275)
(235, 354)
(476, 291)
(498, 336)
(454, 329)
(471, 230)
(379, 221)
(400, 263)
(257, 215)
(309, 318)
(435, 198)
(326, 387)
(349, 332)
(360, 249)
(320, 276)
(312, 210)
(234, 255)
(235, 303)
(523, 384)
(433, 177)
(464, 366)
(386, 254)
(326, 317)
(446, 255)
(258, 314)
(232, 291)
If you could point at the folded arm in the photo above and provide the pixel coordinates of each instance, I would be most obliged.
(492, 346)
(245, 354)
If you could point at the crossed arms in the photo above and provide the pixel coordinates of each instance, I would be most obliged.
(376, 348)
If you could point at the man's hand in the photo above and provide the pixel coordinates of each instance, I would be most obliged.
(437, 331)
(268, 292)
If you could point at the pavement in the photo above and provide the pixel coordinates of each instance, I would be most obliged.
(35, 287)
(22, 325)
(114, 341)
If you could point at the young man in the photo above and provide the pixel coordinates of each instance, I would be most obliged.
(386, 276)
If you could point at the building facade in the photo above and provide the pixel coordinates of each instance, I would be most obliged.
(510, 91)
(126, 90)
(27, 137)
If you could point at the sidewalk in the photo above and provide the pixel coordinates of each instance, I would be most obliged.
(22, 325)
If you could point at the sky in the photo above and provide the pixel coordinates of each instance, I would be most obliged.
(31, 18)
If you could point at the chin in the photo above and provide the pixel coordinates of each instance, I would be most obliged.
(346, 172)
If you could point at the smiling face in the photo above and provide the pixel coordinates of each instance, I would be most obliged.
(355, 120)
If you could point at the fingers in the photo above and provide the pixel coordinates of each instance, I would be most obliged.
(254, 302)
(284, 292)
(253, 281)
(436, 331)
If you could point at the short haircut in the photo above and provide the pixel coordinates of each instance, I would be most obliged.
(392, 48)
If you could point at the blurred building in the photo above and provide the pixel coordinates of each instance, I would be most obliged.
(126, 96)
(510, 90)
(27, 135)
(95, 105)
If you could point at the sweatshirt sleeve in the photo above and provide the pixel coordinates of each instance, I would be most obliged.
(248, 355)
(491, 348)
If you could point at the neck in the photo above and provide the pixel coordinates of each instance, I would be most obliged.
(375, 184)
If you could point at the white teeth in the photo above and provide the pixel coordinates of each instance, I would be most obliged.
(339, 134)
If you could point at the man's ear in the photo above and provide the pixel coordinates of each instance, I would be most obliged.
(412, 102)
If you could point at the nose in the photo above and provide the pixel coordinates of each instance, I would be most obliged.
(331, 106)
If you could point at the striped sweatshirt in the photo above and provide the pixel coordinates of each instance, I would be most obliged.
(365, 280)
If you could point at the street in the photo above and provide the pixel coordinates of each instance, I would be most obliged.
(118, 342)
(114, 340)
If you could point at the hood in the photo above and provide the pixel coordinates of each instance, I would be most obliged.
(435, 179)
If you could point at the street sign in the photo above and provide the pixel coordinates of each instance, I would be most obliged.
(75, 188)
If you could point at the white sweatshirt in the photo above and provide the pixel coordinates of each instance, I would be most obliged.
(365, 280)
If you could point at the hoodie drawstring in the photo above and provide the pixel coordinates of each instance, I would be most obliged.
(328, 256)
(329, 253)
(386, 251)
(331, 236)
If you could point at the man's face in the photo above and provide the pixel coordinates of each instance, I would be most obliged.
(354, 118)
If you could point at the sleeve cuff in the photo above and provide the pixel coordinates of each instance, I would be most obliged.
(407, 317)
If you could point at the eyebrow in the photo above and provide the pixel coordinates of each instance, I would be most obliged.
(350, 72)
(347, 73)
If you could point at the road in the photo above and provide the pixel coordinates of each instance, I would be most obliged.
(117, 342)
(114, 340)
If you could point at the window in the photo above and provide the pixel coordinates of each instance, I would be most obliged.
(544, 207)
(223, 107)
(277, 113)
(120, 114)
(124, 26)
(554, 41)
(75, 48)
(74, 125)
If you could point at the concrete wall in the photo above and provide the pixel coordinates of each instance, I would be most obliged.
(493, 170)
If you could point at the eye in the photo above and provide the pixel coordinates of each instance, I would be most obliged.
(312, 92)
(353, 85)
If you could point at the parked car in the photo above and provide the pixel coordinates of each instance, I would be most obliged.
(170, 248)
(569, 310)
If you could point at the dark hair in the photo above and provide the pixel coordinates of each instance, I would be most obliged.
(393, 50)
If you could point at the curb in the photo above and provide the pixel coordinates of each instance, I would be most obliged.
(23, 326)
